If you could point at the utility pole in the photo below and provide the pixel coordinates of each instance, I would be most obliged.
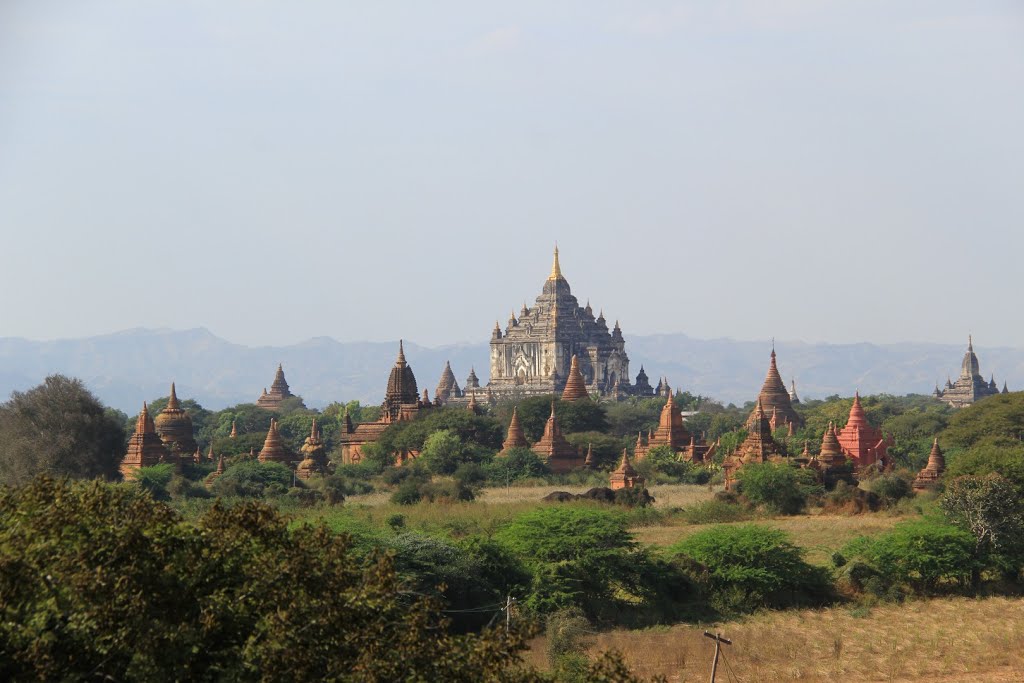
(717, 637)
(508, 611)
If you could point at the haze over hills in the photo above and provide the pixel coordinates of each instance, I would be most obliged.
(127, 367)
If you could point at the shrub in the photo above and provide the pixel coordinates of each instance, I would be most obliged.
(890, 488)
(408, 493)
(517, 464)
(566, 630)
(155, 479)
(254, 479)
(751, 566)
(579, 556)
(778, 487)
(921, 555)
(180, 487)
(715, 512)
(850, 499)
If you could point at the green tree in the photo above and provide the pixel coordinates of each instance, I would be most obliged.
(59, 428)
(101, 582)
(751, 566)
(254, 479)
(578, 555)
(518, 463)
(996, 420)
(573, 416)
(922, 555)
(779, 487)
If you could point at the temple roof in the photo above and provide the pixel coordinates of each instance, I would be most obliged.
(516, 438)
(552, 444)
(174, 426)
(575, 387)
(775, 397)
(145, 448)
(274, 447)
(401, 388)
(625, 468)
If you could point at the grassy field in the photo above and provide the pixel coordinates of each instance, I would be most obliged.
(941, 640)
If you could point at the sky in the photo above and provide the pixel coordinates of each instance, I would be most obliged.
(275, 171)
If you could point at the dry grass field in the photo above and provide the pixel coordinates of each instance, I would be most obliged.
(930, 641)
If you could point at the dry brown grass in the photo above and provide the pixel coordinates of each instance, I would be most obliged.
(955, 639)
(820, 535)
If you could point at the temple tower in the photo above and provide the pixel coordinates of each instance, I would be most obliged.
(559, 453)
(863, 444)
(274, 448)
(970, 386)
(279, 391)
(575, 388)
(174, 426)
(928, 478)
(145, 448)
(775, 399)
(625, 477)
(534, 353)
(515, 438)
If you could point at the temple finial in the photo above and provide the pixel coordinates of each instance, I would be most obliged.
(401, 353)
(556, 270)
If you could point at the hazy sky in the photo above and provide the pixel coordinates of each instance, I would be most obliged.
(824, 171)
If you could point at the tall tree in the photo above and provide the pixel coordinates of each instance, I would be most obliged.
(60, 428)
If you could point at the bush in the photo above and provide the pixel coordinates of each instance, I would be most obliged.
(155, 479)
(580, 556)
(751, 566)
(408, 492)
(715, 512)
(921, 555)
(180, 487)
(778, 487)
(664, 466)
(254, 479)
(566, 630)
(890, 488)
(990, 509)
(517, 464)
(850, 500)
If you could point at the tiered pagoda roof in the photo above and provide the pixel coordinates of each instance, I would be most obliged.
(274, 447)
(758, 447)
(401, 399)
(145, 448)
(831, 450)
(279, 391)
(928, 478)
(447, 386)
(671, 432)
(774, 398)
(561, 456)
(174, 426)
(575, 387)
(863, 444)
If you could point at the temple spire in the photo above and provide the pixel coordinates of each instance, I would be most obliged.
(400, 361)
(172, 402)
(556, 270)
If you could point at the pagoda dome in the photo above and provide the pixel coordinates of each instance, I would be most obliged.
(174, 426)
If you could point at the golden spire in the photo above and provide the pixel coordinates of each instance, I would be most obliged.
(556, 271)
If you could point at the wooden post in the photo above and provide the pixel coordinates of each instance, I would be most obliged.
(717, 637)
(508, 612)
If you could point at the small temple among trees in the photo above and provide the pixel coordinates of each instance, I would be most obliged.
(970, 386)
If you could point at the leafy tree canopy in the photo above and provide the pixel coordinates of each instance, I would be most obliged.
(59, 428)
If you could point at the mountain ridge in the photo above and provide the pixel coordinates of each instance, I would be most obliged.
(128, 366)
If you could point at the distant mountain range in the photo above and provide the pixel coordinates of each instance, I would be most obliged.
(125, 368)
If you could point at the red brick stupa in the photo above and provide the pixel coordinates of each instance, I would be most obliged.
(625, 477)
(670, 432)
(575, 387)
(559, 453)
(274, 447)
(759, 446)
(863, 444)
(174, 426)
(928, 478)
(145, 447)
(775, 400)
(516, 438)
